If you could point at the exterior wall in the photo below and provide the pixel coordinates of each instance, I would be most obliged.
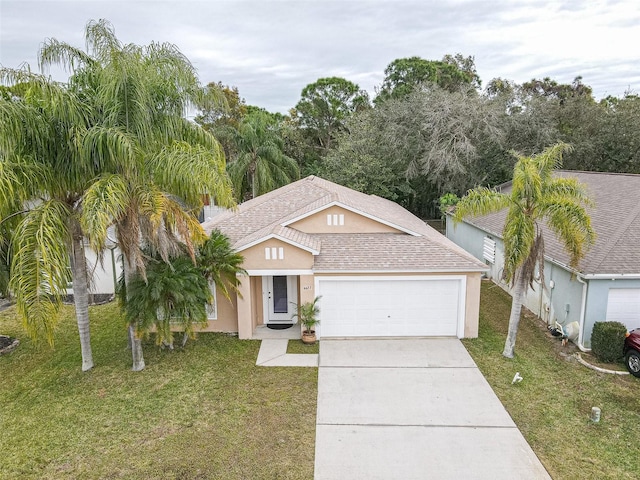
(472, 305)
(597, 298)
(103, 276)
(245, 309)
(353, 223)
(306, 288)
(294, 257)
(257, 312)
(227, 320)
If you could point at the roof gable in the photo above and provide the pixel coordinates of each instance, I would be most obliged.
(324, 224)
(272, 216)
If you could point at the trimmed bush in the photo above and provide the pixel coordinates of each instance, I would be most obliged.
(607, 341)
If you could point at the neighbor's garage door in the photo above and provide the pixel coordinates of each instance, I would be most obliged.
(624, 307)
(381, 306)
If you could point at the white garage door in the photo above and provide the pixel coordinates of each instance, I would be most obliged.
(624, 307)
(381, 306)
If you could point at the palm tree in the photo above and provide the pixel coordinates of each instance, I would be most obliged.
(45, 169)
(164, 163)
(260, 164)
(177, 292)
(172, 293)
(219, 264)
(536, 196)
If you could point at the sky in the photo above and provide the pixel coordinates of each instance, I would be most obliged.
(271, 49)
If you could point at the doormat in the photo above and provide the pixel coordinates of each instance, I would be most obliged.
(279, 326)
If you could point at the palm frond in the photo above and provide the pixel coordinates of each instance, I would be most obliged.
(480, 201)
(566, 188)
(40, 266)
(220, 265)
(189, 171)
(569, 220)
(104, 203)
(519, 237)
(174, 294)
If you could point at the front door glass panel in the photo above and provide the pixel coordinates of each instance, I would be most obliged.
(280, 298)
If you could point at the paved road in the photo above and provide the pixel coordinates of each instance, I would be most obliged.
(413, 409)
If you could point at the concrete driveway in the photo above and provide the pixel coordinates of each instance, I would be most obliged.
(413, 409)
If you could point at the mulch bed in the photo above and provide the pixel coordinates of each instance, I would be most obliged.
(8, 344)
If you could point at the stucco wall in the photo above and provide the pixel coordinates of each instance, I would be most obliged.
(294, 257)
(227, 320)
(597, 299)
(353, 223)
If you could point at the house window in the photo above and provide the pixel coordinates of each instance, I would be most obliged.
(335, 219)
(489, 250)
(274, 253)
(212, 308)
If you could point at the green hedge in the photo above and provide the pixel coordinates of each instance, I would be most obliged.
(607, 341)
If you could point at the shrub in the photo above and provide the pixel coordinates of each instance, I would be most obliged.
(607, 341)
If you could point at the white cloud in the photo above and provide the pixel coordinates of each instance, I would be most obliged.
(272, 49)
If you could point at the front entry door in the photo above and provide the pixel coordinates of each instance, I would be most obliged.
(282, 296)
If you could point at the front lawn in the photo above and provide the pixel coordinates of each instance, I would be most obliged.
(552, 405)
(203, 412)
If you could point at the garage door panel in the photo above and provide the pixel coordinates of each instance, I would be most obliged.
(623, 306)
(385, 307)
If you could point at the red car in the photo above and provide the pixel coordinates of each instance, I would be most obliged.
(632, 352)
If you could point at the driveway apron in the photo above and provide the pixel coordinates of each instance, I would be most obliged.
(413, 409)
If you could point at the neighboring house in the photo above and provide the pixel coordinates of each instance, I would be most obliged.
(103, 274)
(606, 285)
(380, 271)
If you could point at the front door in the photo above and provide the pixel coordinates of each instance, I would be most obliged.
(282, 295)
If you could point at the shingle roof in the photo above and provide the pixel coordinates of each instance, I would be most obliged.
(421, 249)
(615, 217)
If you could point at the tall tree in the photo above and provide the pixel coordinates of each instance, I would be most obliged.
(537, 198)
(415, 148)
(324, 107)
(404, 75)
(47, 164)
(161, 164)
(260, 165)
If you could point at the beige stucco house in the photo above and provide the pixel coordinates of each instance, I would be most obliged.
(380, 270)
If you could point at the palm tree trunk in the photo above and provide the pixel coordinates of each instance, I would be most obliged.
(519, 291)
(134, 342)
(253, 184)
(81, 297)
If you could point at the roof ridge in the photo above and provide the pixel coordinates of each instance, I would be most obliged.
(612, 240)
(619, 174)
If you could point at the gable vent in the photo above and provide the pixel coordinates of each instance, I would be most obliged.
(335, 219)
(489, 250)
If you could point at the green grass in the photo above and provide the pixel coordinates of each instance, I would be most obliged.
(296, 346)
(552, 405)
(203, 412)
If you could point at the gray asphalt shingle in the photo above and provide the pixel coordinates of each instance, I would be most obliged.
(615, 217)
(421, 249)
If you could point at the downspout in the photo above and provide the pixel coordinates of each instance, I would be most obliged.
(583, 311)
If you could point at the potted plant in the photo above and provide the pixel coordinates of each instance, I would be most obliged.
(308, 315)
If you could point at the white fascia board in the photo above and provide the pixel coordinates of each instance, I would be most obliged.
(354, 210)
(376, 277)
(610, 276)
(268, 273)
(312, 251)
(387, 271)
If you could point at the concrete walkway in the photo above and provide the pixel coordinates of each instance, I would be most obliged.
(273, 353)
(413, 409)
